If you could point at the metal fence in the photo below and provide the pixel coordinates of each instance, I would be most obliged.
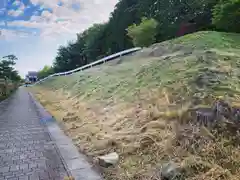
(95, 63)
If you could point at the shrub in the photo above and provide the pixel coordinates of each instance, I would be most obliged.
(143, 34)
(226, 15)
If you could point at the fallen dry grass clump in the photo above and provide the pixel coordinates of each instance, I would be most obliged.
(157, 110)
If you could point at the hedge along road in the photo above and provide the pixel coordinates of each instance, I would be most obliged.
(32, 149)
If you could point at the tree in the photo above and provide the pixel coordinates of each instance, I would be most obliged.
(170, 14)
(92, 38)
(87, 48)
(226, 15)
(62, 59)
(143, 34)
(46, 71)
(11, 58)
(115, 37)
(172, 18)
(7, 70)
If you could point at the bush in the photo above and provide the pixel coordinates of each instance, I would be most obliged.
(143, 34)
(46, 71)
(226, 15)
(6, 88)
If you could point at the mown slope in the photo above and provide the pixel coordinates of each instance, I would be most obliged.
(134, 105)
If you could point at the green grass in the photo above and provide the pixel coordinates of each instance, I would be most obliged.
(198, 73)
(209, 39)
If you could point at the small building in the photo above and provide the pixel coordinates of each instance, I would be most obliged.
(31, 77)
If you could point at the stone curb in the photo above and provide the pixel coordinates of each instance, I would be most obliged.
(75, 163)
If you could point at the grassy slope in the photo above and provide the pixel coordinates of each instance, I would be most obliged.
(126, 79)
(127, 105)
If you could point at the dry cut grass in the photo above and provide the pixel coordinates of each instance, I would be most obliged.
(138, 107)
(145, 138)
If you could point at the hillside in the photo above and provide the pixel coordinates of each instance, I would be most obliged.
(136, 106)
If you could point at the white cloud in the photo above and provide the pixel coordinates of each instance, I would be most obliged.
(64, 19)
(16, 3)
(19, 11)
(8, 35)
(14, 13)
(2, 10)
(57, 27)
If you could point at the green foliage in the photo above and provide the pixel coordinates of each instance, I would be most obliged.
(170, 15)
(46, 71)
(92, 37)
(7, 70)
(226, 15)
(9, 77)
(99, 40)
(143, 34)
(86, 49)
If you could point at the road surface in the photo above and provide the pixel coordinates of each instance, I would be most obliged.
(26, 149)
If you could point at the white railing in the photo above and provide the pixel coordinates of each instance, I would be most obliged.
(100, 61)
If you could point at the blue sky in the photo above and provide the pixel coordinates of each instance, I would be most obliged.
(34, 29)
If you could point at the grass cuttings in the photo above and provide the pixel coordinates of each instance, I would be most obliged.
(136, 106)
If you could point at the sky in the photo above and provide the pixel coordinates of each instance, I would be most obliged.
(34, 29)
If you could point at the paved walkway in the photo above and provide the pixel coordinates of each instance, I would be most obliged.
(26, 149)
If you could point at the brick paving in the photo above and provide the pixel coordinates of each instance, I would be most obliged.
(26, 149)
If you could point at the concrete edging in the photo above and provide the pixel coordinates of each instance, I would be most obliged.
(75, 162)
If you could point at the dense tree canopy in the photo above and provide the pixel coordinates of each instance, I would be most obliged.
(226, 15)
(173, 17)
(7, 70)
